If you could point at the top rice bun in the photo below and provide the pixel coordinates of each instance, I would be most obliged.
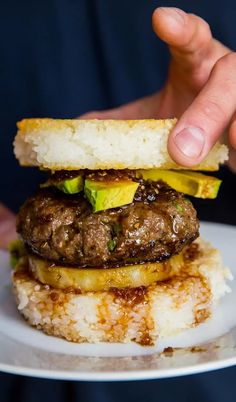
(101, 144)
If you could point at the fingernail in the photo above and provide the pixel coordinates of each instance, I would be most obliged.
(174, 13)
(190, 141)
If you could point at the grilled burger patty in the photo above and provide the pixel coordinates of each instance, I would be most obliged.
(63, 228)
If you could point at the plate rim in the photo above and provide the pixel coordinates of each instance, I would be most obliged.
(132, 375)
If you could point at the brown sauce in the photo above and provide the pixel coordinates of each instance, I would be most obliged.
(197, 349)
(131, 300)
(145, 339)
(54, 296)
(110, 175)
(168, 352)
(191, 252)
(97, 175)
(130, 296)
(62, 175)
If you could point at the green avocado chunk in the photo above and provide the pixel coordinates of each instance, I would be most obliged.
(71, 186)
(104, 195)
(68, 186)
(192, 183)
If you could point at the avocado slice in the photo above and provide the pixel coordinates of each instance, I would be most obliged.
(71, 186)
(192, 183)
(109, 194)
(68, 186)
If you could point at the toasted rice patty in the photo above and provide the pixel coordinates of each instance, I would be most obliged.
(63, 228)
(58, 144)
(141, 314)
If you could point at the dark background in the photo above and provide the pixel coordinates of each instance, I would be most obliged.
(60, 59)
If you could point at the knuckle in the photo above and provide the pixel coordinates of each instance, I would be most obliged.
(226, 62)
(206, 30)
(201, 24)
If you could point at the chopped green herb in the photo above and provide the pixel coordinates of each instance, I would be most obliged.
(179, 208)
(116, 228)
(111, 244)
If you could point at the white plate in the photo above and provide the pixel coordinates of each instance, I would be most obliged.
(27, 351)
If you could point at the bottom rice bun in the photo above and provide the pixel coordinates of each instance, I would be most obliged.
(143, 314)
(109, 247)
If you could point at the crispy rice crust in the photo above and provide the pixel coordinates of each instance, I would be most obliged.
(101, 144)
(141, 314)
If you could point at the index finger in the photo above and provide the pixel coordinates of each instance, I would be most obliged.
(189, 38)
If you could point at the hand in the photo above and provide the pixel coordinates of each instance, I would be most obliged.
(200, 89)
(7, 227)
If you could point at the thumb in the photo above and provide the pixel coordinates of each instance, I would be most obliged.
(193, 49)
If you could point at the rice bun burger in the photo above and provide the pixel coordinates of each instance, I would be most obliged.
(109, 247)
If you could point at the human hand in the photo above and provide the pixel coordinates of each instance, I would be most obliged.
(200, 89)
(7, 226)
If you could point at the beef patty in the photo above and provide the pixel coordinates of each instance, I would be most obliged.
(63, 228)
